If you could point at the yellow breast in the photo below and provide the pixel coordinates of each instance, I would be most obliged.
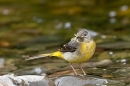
(87, 50)
(82, 54)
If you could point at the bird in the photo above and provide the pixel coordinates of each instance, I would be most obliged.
(78, 50)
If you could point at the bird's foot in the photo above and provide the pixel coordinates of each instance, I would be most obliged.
(82, 75)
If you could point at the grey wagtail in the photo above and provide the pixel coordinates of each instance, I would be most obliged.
(78, 50)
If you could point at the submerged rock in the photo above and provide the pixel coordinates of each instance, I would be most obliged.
(2, 61)
(115, 45)
(123, 72)
(31, 71)
(86, 81)
(114, 55)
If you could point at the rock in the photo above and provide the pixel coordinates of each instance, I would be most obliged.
(86, 81)
(120, 55)
(115, 45)
(114, 55)
(104, 63)
(123, 72)
(128, 85)
(2, 62)
(31, 71)
(26, 80)
(122, 75)
(104, 55)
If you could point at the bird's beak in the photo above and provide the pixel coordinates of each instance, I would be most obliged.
(80, 38)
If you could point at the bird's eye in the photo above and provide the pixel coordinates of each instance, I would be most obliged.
(85, 34)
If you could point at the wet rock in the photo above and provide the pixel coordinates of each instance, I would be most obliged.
(26, 80)
(2, 61)
(123, 72)
(31, 71)
(114, 55)
(115, 45)
(104, 63)
(86, 81)
(103, 72)
(128, 85)
(7, 66)
(104, 55)
(120, 54)
(122, 75)
(123, 79)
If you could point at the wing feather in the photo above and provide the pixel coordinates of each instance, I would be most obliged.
(71, 46)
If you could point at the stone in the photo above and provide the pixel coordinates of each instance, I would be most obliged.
(86, 81)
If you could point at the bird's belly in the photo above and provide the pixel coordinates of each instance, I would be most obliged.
(74, 58)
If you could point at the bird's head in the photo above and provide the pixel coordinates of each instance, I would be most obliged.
(83, 36)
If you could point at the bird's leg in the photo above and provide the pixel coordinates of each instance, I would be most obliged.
(82, 69)
(73, 69)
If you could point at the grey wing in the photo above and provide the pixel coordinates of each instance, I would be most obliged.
(70, 46)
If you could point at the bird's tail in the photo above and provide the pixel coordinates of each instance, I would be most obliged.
(37, 56)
